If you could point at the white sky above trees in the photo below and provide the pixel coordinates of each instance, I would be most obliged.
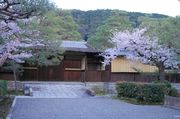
(167, 7)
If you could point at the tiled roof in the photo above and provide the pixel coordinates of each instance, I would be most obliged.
(78, 46)
(74, 44)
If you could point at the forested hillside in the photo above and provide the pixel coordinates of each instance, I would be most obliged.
(97, 26)
(88, 21)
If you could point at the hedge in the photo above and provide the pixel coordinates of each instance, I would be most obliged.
(3, 87)
(167, 83)
(126, 89)
(145, 93)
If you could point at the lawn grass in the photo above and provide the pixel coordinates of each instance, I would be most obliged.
(5, 105)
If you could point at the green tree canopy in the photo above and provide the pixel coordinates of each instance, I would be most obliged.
(20, 9)
(167, 29)
(56, 25)
(104, 32)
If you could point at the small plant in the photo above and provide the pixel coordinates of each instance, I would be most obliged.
(3, 88)
(98, 91)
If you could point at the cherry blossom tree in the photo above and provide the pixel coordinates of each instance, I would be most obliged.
(15, 55)
(13, 41)
(8, 32)
(16, 41)
(137, 46)
(14, 45)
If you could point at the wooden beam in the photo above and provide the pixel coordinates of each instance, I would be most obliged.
(35, 68)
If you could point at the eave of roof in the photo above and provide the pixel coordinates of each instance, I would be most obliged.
(78, 46)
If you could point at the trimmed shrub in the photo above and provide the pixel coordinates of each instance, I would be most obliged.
(152, 93)
(127, 89)
(173, 92)
(3, 87)
(167, 83)
(145, 93)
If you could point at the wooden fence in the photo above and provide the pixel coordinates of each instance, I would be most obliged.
(141, 77)
(58, 74)
(6, 76)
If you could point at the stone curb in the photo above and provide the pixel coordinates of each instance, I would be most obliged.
(11, 109)
(172, 102)
(90, 92)
(171, 108)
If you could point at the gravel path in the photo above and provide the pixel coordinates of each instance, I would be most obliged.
(87, 108)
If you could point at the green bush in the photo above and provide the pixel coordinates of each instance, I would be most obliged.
(145, 93)
(173, 92)
(167, 83)
(127, 89)
(152, 93)
(3, 87)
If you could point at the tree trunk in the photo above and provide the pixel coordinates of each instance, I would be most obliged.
(107, 78)
(161, 73)
(15, 80)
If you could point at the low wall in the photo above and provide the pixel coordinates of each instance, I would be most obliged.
(173, 102)
(109, 87)
(11, 85)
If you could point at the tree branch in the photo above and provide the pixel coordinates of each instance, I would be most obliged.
(11, 10)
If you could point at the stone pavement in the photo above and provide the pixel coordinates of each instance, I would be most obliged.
(87, 108)
(69, 101)
(58, 90)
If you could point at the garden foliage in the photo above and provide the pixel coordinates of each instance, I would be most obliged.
(145, 92)
(3, 88)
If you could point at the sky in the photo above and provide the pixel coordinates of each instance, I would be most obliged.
(167, 7)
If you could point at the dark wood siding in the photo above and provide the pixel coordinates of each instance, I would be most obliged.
(57, 74)
(30, 74)
(93, 76)
(50, 73)
(72, 64)
(71, 75)
(138, 77)
(6, 76)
